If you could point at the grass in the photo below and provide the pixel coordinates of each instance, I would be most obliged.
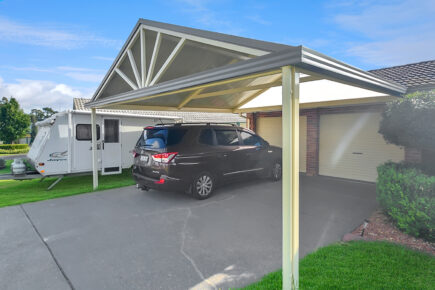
(7, 169)
(13, 192)
(360, 265)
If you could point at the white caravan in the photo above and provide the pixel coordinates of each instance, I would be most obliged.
(63, 143)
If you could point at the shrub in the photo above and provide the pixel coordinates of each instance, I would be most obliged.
(16, 151)
(13, 146)
(407, 195)
(410, 122)
(2, 163)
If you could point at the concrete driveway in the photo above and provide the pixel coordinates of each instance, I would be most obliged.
(129, 239)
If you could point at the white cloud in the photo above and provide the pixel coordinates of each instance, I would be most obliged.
(76, 73)
(86, 77)
(37, 94)
(202, 13)
(40, 35)
(398, 51)
(74, 68)
(396, 32)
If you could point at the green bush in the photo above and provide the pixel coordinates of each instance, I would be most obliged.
(2, 163)
(13, 146)
(16, 151)
(407, 195)
(410, 122)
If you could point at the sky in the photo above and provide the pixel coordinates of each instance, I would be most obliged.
(52, 51)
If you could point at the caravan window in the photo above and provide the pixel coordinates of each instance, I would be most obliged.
(84, 132)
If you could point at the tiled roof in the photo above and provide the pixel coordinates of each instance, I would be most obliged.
(188, 117)
(415, 76)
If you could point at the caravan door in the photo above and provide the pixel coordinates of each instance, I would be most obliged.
(111, 161)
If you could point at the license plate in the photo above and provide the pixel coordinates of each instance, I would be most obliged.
(144, 158)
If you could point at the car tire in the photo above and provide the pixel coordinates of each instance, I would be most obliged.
(276, 171)
(142, 187)
(203, 185)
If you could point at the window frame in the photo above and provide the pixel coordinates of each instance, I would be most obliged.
(82, 124)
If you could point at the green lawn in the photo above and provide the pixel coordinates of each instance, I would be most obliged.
(360, 265)
(14, 192)
(7, 169)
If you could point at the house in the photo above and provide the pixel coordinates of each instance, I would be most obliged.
(340, 138)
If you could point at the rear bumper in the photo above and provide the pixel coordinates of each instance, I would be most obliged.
(169, 184)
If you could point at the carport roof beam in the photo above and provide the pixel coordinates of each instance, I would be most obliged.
(304, 59)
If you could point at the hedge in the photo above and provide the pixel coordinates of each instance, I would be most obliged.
(13, 146)
(407, 195)
(16, 151)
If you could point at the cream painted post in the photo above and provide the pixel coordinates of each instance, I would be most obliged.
(295, 174)
(290, 181)
(94, 147)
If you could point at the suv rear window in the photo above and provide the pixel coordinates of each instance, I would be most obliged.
(158, 138)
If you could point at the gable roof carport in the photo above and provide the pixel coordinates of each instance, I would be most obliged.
(223, 73)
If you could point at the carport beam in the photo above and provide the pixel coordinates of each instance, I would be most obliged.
(290, 182)
(94, 148)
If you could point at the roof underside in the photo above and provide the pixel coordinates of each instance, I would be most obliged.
(168, 67)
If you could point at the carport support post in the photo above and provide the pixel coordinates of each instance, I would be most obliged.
(290, 181)
(94, 148)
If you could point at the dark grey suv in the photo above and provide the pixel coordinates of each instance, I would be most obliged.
(195, 157)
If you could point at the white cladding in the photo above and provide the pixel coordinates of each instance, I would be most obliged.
(56, 145)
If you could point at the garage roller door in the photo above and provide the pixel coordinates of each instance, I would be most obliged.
(270, 129)
(351, 147)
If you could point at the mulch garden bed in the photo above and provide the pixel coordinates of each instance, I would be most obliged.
(380, 228)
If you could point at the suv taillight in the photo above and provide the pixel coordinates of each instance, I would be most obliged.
(164, 157)
(135, 154)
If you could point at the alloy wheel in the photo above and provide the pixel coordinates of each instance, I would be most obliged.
(204, 185)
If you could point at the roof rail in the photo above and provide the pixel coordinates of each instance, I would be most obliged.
(205, 123)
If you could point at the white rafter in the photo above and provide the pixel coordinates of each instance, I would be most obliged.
(143, 59)
(153, 58)
(168, 61)
(134, 67)
(126, 78)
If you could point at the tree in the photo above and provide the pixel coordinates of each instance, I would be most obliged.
(410, 122)
(37, 115)
(14, 123)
